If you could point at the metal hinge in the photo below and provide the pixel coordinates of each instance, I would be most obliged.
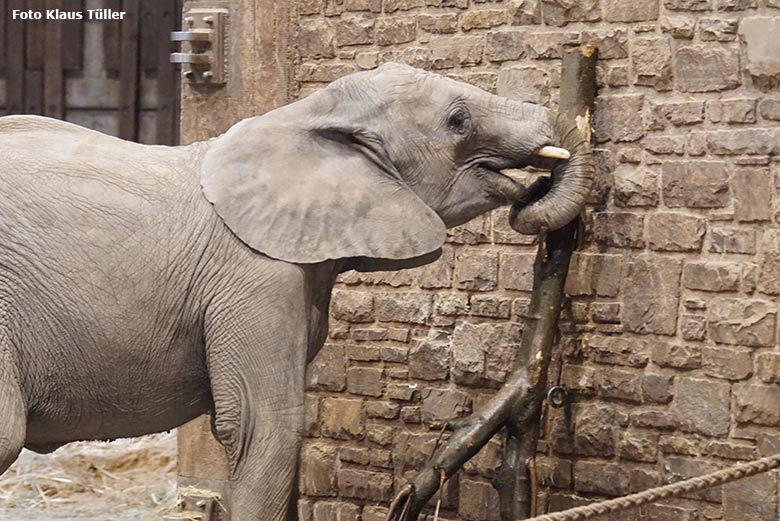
(197, 505)
(203, 44)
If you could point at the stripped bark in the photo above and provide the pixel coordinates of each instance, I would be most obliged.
(517, 404)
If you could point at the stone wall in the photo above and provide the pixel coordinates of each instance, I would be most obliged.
(669, 342)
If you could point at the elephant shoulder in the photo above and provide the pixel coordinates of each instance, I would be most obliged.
(17, 125)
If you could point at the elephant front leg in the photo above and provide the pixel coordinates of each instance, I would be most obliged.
(256, 363)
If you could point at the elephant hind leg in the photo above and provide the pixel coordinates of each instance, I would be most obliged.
(13, 425)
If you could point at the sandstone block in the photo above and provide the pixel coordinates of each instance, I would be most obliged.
(763, 50)
(718, 29)
(635, 186)
(688, 5)
(414, 308)
(327, 372)
(364, 484)
(641, 11)
(390, 31)
(318, 470)
(622, 230)
(316, 39)
(478, 501)
(652, 61)
(332, 511)
(451, 304)
(616, 350)
(594, 274)
(738, 110)
(651, 291)
(706, 68)
(755, 141)
(695, 184)
(712, 276)
(678, 469)
(680, 27)
(444, 404)
(731, 363)
(619, 117)
(612, 43)
(554, 472)
(753, 498)
(693, 327)
(522, 83)
(769, 275)
(354, 30)
(446, 23)
(429, 360)
(341, 418)
(732, 239)
(756, 403)
(769, 108)
(605, 312)
(768, 367)
(679, 356)
(563, 12)
(670, 231)
(526, 12)
(365, 381)
(456, 51)
(546, 46)
(657, 388)
(597, 477)
(490, 306)
(752, 189)
(483, 19)
(476, 270)
(392, 6)
(352, 306)
(742, 322)
(337, 7)
(677, 113)
(516, 271)
(477, 347)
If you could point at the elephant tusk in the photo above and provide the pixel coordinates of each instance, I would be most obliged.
(553, 152)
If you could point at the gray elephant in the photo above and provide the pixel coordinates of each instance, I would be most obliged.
(142, 286)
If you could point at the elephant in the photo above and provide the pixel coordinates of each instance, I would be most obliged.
(143, 286)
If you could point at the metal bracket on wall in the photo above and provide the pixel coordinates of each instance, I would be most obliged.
(198, 505)
(203, 46)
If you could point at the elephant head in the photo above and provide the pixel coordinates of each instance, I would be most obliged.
(379, 163)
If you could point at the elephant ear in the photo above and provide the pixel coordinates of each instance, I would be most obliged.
(305, 196)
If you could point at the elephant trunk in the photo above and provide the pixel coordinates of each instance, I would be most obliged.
(571, 183)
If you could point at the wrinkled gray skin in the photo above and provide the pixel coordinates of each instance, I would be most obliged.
(142, 286)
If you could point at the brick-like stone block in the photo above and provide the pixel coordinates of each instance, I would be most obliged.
(651, 291)
(478, 501)
(679, 113)
(483, 19)
(769, 108)
(505, 45)
(731, 363)
(463, 51)
(490, 306)
(693, 327)
(399, 29)
(364, 484)
(657, 388)
(444, 23)
(755, 141)
(732, 239)
(474, 347)
(561, 13)
(706, 68)
(638, 11)
(612, 43)
(619, 229)
(756, 403)
(717, 29)
(616, 350)
(316, 39)
(548, 46)
(526, 12)
(680, 27)
(354, 30)
(476, 270)
(638, 445)
(652, 62)
(742, 322)
(594, 274)
(678, 469)
(695, 184)
(752, 189)
(352, 306)
(327, 372)
(598, 477)
(391, 6)
(444, 404)
(516, 271)
(341, 418)
(335, 511)
(737, 110)
(365, 381)
(318, 470)
(524, 84)
(429, 360)
(671, 231)
(688, 5)
(753, 498)
(763, 50)
(413, 308)
(619, 117)
(635, 186)
(679, 356)
(769, 275)
(451, 304)
(712, 276)
(768, 367)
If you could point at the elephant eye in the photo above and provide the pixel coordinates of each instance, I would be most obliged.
(457, 120)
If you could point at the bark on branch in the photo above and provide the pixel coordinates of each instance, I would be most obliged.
(518, 403)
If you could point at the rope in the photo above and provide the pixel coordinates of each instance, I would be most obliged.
(655, 494)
